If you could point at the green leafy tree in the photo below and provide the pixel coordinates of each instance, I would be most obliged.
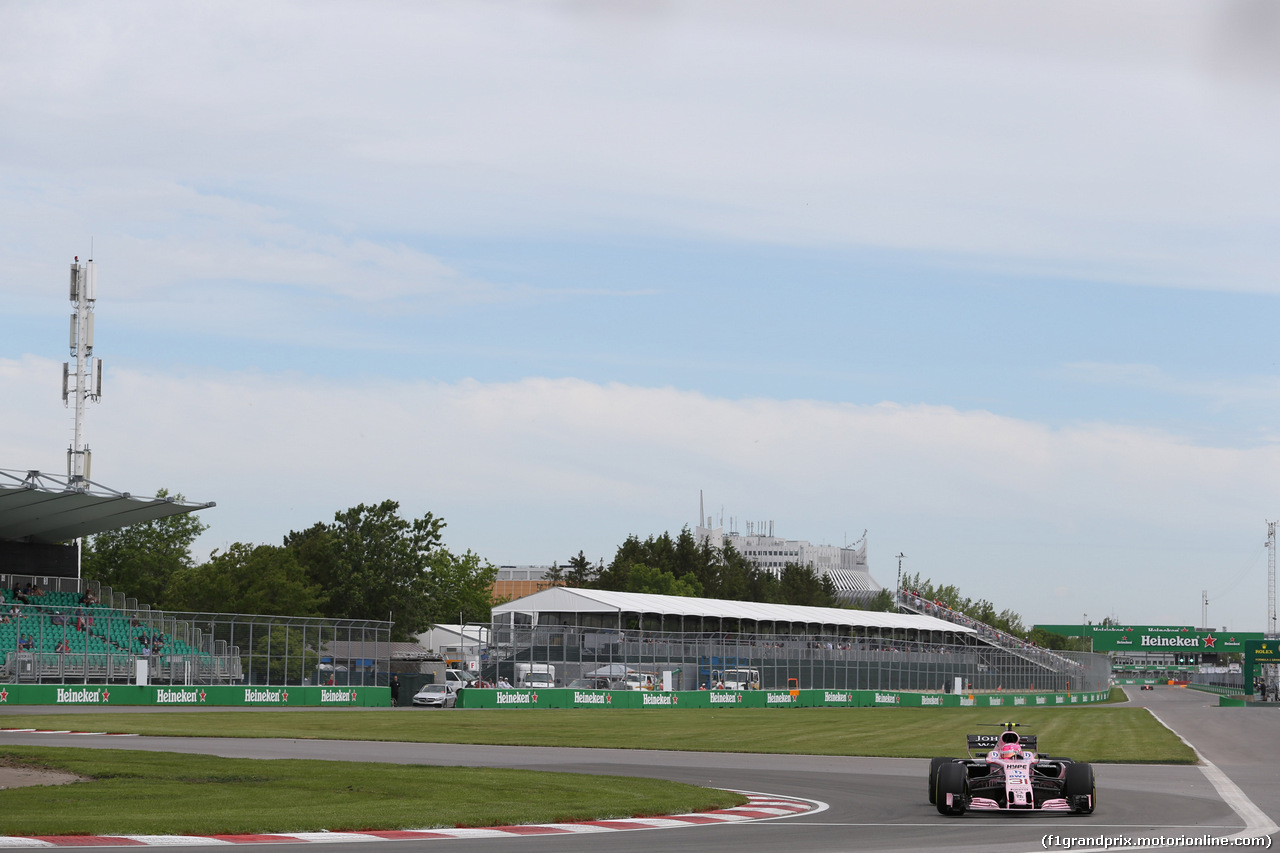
(555, 574)
(459, 585)
(139, 560)
(1051, 640)
(804, 586)
(261, 579)
(579, 571)
(371, 563)
(645, 579)
(882, 602)
(981, 610)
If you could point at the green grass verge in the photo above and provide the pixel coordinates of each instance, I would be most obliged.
(1097, 734)
(150, 793)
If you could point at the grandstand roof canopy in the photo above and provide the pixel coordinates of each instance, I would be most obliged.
(44, 508)
(562, 599)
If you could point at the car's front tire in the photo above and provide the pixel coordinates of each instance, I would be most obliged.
(953, 779)
(934, 764)
(1079, 783)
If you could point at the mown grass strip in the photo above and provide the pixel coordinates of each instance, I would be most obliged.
(150, 793)
(1098, 734)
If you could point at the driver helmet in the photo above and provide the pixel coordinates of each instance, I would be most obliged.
(1010, 749)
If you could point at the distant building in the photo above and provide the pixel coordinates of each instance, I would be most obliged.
(513, 582)
(846, 566)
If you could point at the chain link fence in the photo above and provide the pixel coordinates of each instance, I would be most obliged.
(60, 634)
(815, 661)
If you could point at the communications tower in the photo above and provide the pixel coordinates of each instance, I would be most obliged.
(85, 383)
(1271, 578)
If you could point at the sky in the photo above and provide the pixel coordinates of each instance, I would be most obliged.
(993, 282)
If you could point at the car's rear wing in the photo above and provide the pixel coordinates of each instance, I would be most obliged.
(986, 743)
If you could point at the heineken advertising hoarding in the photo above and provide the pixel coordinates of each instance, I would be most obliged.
(1159, 638)
(211, 696)
(558, 697)
(221, 696)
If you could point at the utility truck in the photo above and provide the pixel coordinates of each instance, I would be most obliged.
(735, 679)
(535, 675)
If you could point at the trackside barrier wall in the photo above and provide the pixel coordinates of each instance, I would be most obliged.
(560, 697)
(208, 695)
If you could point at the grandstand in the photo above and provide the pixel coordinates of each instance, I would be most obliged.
(57, 628)
(579, 631)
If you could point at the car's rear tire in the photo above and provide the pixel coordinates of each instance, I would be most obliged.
(934, 764)
(1079, 782)
(953, 779)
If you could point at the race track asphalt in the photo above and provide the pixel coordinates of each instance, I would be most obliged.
(875, 804)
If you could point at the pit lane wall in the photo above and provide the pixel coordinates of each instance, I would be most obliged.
(212, 696)
(566, 698)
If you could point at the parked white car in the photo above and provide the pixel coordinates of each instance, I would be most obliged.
(436, 696)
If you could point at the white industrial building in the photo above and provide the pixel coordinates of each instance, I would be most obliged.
(846, 566)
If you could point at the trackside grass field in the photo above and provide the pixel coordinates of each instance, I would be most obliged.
(1099, 734)
(163, 793)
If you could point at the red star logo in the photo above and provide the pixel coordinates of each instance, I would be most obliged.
(353, 696)
(203, 695)
(535, 697)
(608, 699)
(106, 697)
(4, 695)
(284, 696)
(675, 700)
(739, 699)
(1209, 640)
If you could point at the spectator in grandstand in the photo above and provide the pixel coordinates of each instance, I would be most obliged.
(62, 647)
(26, 643)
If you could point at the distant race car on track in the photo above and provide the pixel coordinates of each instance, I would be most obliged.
(1004, 773)
(1148, 687)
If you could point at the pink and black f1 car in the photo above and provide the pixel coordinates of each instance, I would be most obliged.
(1004, 773)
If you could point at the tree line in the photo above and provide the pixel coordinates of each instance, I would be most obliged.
(984, 611)
(683, 566)
(368, 563)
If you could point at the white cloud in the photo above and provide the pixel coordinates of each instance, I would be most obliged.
(1084, 140)
(531, 471)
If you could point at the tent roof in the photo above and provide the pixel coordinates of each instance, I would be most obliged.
(561, 599)
(43, 508)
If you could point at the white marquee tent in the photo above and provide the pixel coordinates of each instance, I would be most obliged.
(563, 601)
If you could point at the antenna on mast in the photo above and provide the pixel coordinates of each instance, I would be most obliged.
(1271, 578)
(87, 384)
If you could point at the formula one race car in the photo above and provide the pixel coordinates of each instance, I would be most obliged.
(1147, 687)
(1004, 773)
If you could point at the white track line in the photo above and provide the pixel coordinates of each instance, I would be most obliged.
(761, 807)
(1256, 821)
